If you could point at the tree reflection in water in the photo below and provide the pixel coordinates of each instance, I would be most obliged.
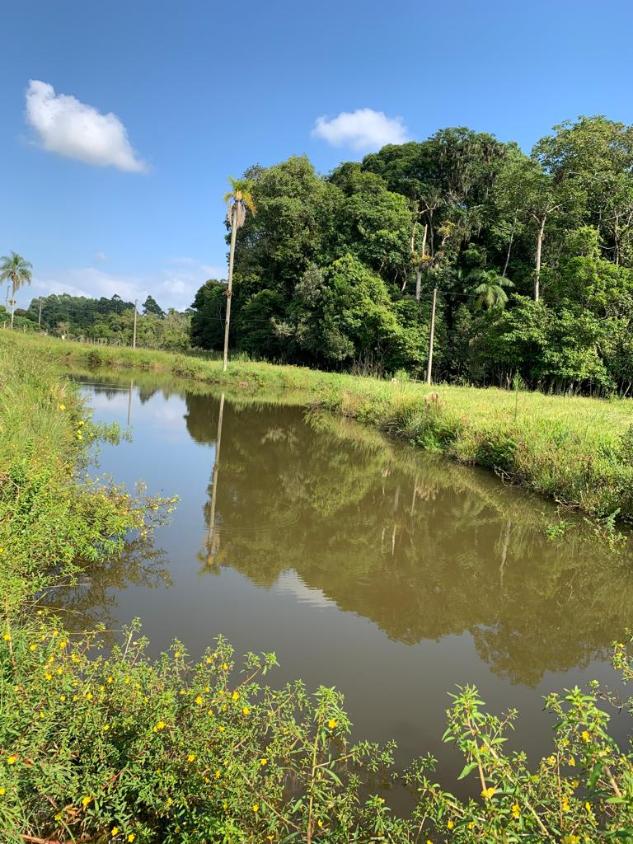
(422, 547)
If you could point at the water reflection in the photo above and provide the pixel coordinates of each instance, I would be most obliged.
(420, 547)
(385, 572)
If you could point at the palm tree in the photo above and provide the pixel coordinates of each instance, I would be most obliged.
(16, 272)
(238, 200)
(490, 292)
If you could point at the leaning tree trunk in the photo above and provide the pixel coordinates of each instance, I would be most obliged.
(539, 253)
(510, 242)
(229, 290)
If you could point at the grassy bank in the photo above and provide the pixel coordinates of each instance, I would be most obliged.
(118, 747)
(577, 451)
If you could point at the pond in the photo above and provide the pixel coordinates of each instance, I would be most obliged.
(391, 574)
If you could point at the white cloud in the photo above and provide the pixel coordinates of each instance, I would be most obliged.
(71, 128)
(173, 286)
(363, 129)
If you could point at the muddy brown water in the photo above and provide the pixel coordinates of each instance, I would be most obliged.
(391, 574)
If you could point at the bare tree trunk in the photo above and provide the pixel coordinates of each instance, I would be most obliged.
(505, 266)
(12, 304)
(418, 271)
(134, 331)
(429, 369)
(539, 252)
(229, 290)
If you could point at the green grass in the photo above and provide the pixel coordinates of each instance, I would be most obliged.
(576, 451)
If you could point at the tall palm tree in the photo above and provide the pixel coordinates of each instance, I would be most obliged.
(490, 292)
(16, 272)
(238, 200)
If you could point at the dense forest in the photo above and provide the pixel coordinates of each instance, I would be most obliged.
(528, 257)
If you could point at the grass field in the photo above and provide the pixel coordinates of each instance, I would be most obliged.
(577, 451)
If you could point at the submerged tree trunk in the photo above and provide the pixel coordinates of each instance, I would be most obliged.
(229, 290)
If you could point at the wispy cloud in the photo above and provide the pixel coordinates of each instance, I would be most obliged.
(363, 129)
(174, 286)
(74, 129)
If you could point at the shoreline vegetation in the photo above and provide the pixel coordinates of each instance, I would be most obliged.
(576, 451)
(98, 746)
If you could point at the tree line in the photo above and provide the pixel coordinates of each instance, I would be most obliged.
(110, 320)
(522, 263)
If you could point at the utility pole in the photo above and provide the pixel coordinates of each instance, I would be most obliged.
(134, 333)
(229, 289)
(429, 369)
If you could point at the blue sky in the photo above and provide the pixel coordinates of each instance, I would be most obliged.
(200, 90)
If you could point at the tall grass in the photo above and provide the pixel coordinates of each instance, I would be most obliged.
(577, 451)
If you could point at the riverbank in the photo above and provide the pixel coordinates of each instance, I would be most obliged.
(577, 451)
(123, 748)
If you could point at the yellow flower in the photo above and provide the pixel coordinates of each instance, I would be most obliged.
(48, 676)
(81, 423)
(263, 761)
(7, 637)
(168, 802)
(320, 823)
(32, 647)
(585, 736)
(62, 698)
(225, 666)
(551, 760)
(88, 695)
(565, 805)
(571, 761)
(332, 723)
(191, 757)
(110, 679)
(488, 793)
(450, 824)
(86, 801)
(160, 725)
(74, 658)
(2, 790)
(114, 831)
(11, 760)
(246, 710)
(256, 807)
(131, 837)
(235, 696)
(178, 654)
(471, 825)
(218, 774)
(62, 407)
(105, 728)
(588, 807)
(516, 810)
(199, 700)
